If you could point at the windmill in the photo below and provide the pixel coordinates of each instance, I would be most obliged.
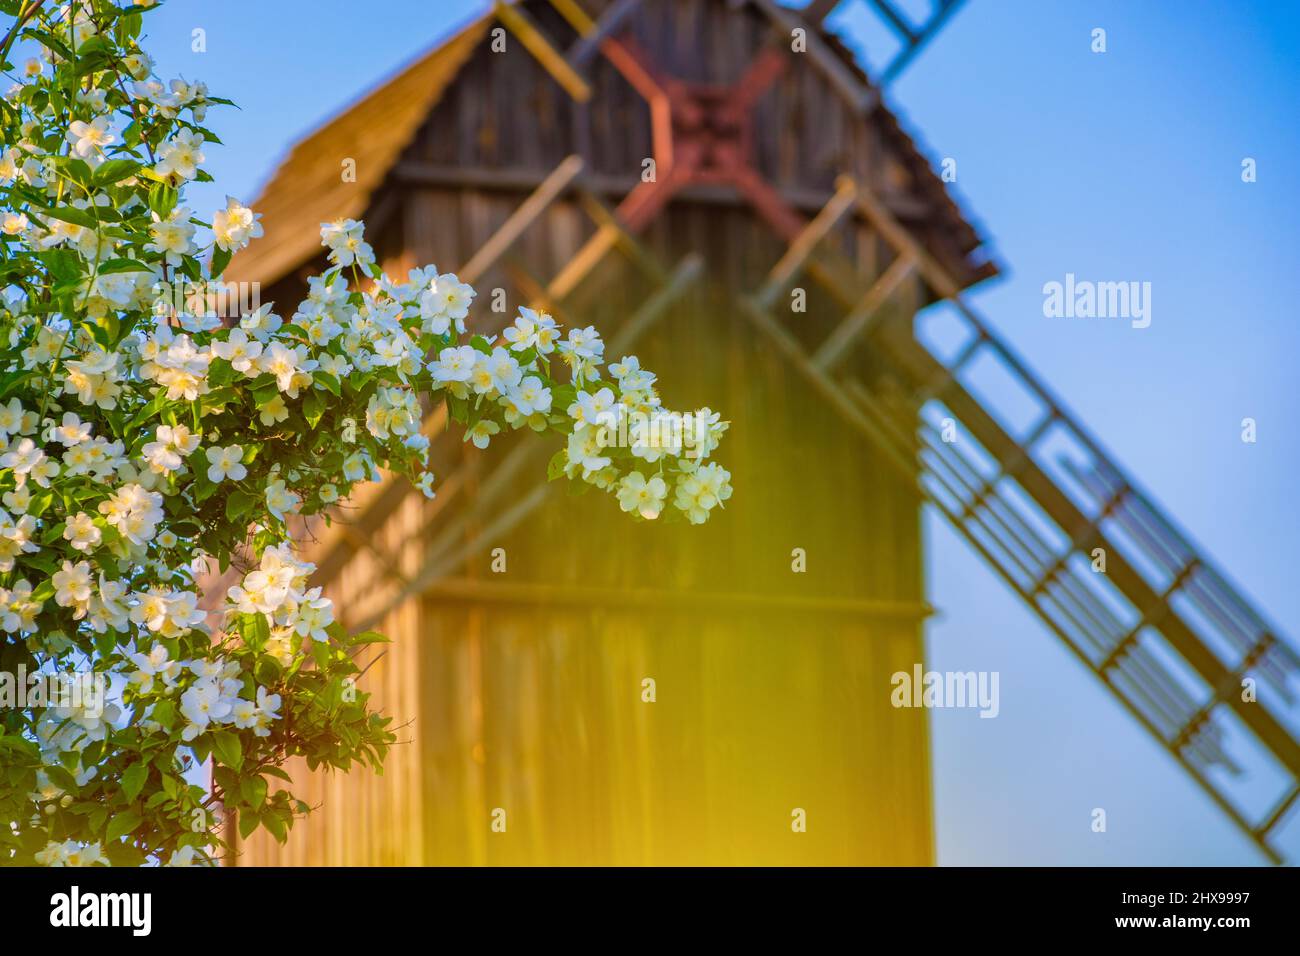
(867, 234)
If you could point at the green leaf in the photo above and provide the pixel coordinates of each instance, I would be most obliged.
(78, 217)
(313, 407)
(276, 825)
(133, 779)
(220, 259)
(239, 504)
(114, 171)
(227, 748)
(254, 630)
(248, 821)
(123, 822)
(164, 714)
(329, 381)
(78, 170)
(369, 637)
(162, 199)
(64, 264)
(253, 790)
(111, 266)
(555, 467)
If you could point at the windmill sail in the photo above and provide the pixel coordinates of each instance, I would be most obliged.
(912, 34)
(1095, 558)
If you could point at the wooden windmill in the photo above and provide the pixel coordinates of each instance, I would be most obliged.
(716, 185)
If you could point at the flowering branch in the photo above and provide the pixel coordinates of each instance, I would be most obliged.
(143, 444)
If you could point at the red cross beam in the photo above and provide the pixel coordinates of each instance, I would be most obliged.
(702, 134)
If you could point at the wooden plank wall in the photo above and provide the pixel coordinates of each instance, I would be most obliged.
(533, 705)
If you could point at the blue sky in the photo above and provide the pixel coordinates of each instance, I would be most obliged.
(1115, 166)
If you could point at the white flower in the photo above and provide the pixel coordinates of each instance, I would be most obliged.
(481, 433)
(504, 370)
(225, 463)
(446, 299)
(273, 411)
(356, 466)
(262, 322)
(71, 431)
(290, 366)
(235, 226)
(15, 539)
(584, 450)
(279, 500)
(700, 491)
(134, 511)
(343, 238)
(171, 445)
(14, 223)
(71, 853)
(11, 419)
(238, 350)
(89, 139)
(454, 364)
(157, 663)
(180, 156)
(532, 329)
(202, 705)
(644, 497)
(22, 458)
(530, 396)
(312, 614)
(186, 855)
(72, 586)
(80, 529)
(171, 236)
(18, 610)
(592, 409)
(583, 344)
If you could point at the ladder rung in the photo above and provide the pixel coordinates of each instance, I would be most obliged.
(896, 19)
(1277, 813)
(1043, 425)
(946, 375)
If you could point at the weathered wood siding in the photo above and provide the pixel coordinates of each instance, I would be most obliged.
(522, 690)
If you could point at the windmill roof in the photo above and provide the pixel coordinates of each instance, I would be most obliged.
(307, 189)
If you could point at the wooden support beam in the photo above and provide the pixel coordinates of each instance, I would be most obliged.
(479, 591)
(801, 248)
(589, 43)
(584, 261)
(515, 179)
(634, 250)
(861, 98)
(834, 395)
(560, 179)
(858, 322)
(575, 16)
(535, 42)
